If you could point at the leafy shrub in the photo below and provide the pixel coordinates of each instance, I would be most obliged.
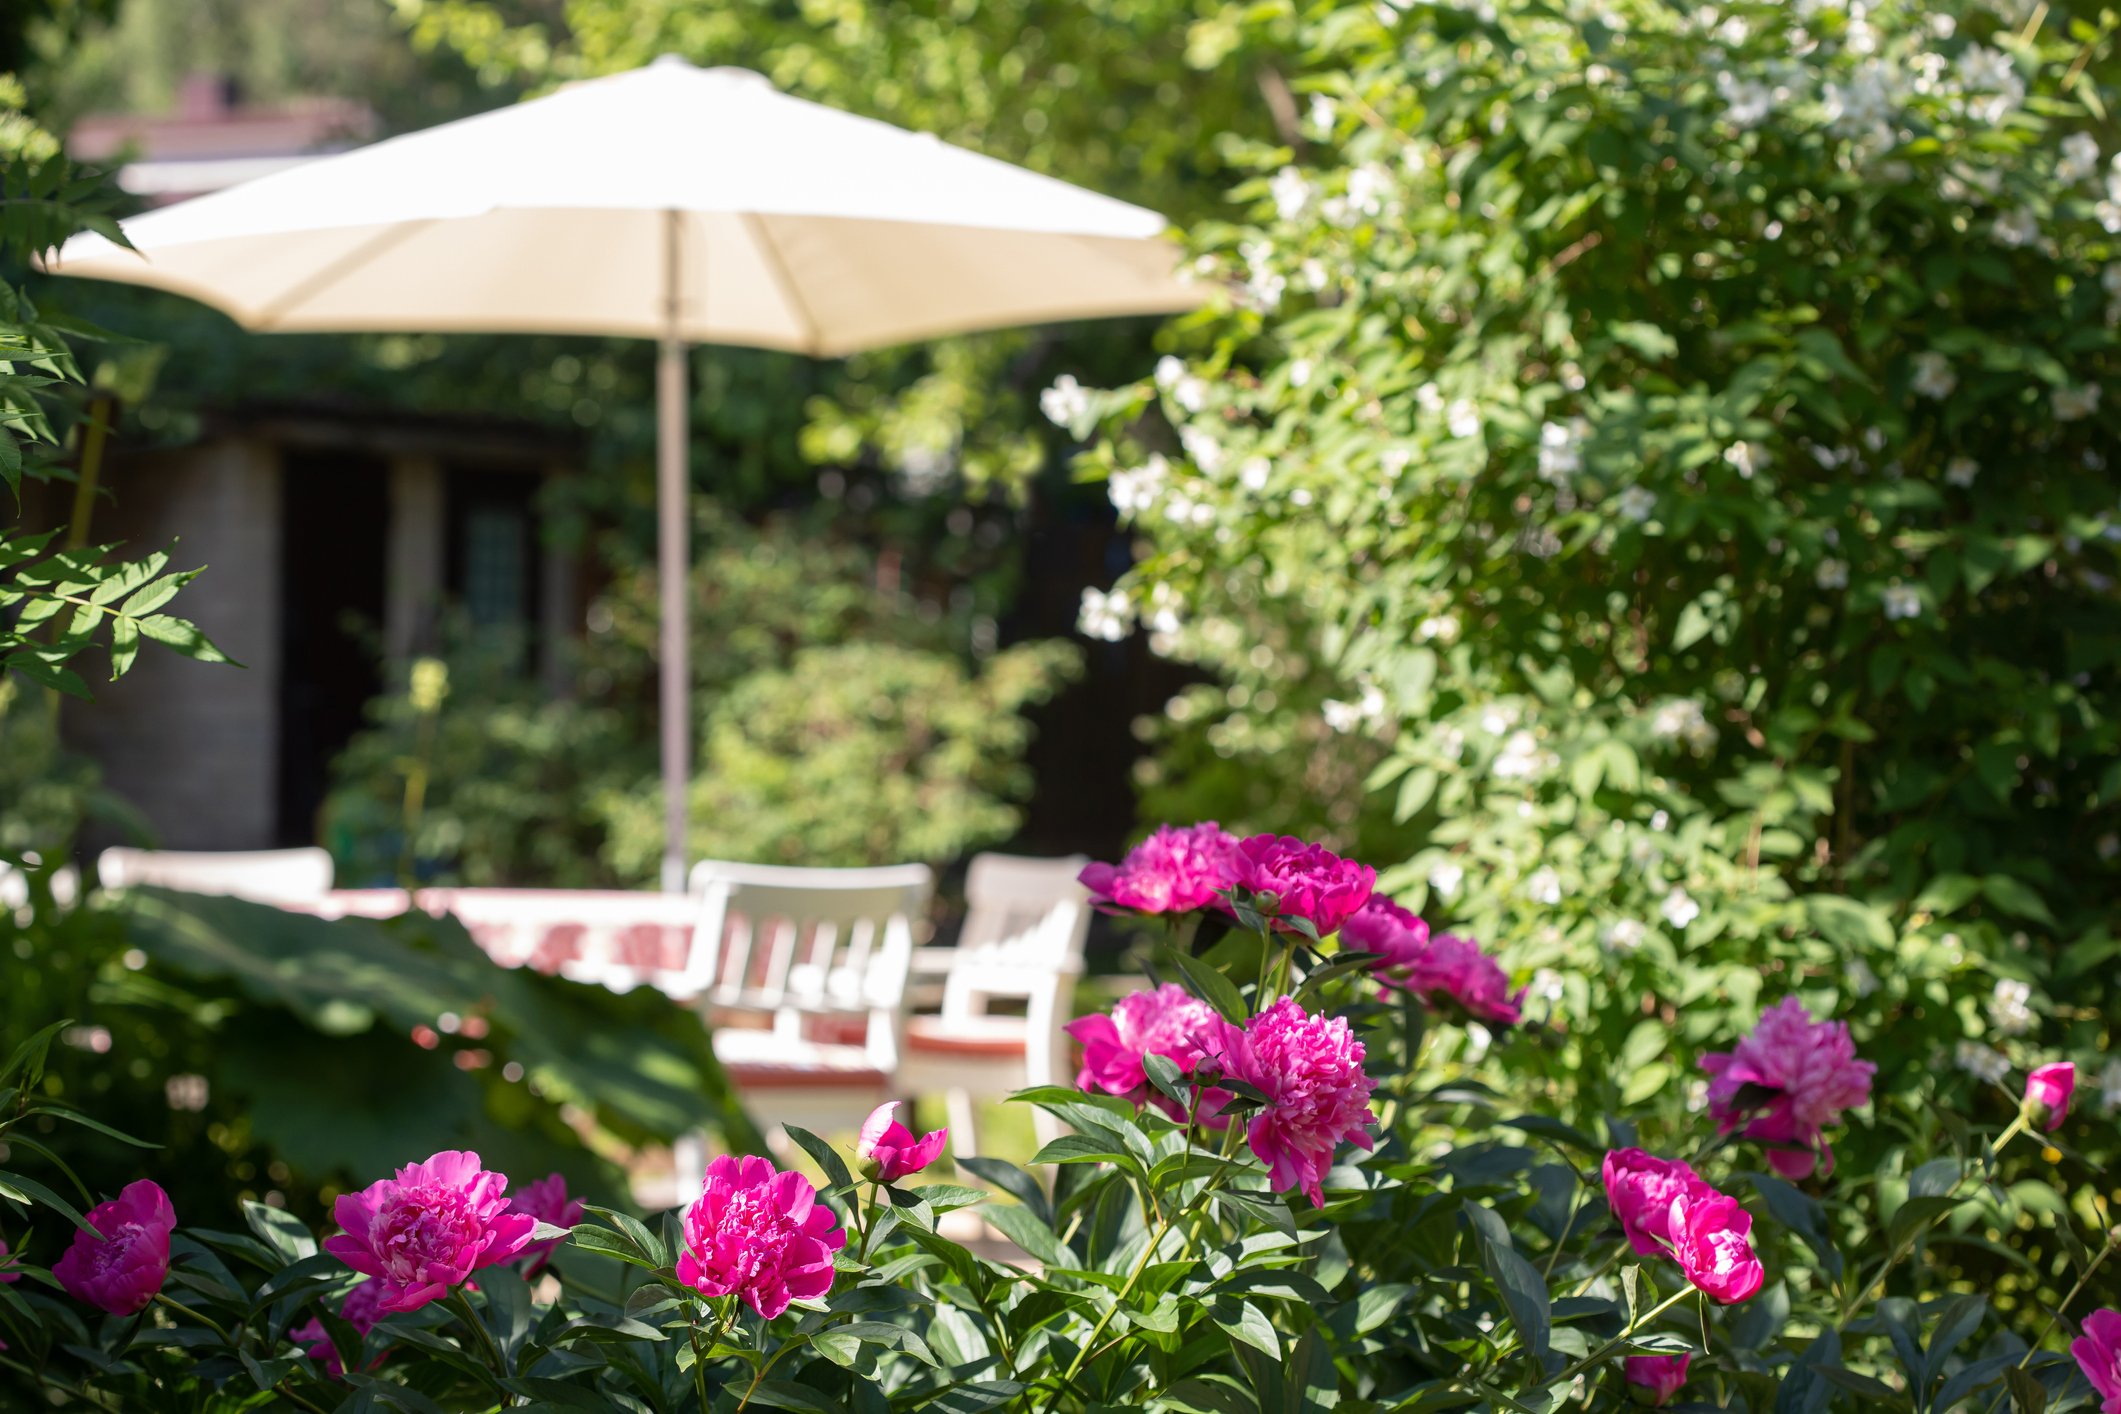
(1679, 433)
(1379, 1222)
(793, 646)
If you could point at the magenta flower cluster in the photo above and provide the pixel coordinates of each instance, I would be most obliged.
(1182, 868)
(886, 1151)
(428, 1229)
(759, 1234)
(1667, 1210)
(1449, 973)
(1169, 1022)
(2098, 1353)
(1785, 1083)
(1310, 1069)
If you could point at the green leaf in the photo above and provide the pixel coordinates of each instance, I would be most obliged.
(1524, 1293)
(828, 1158)
(1209, 984)
(1913, 1214)
(280, 1230)
(1023, 1227)
(22, 1190)
(2014, 896)
(1242, 1321)
(1802, 1214)
(1875, 1390)
(2028, 1395)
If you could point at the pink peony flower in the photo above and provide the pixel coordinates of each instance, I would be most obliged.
(2098, 1353)
(1711, 1238)
(121, 1272)
(886, 1152)
(1169, 1022)
(1383, 927)
(1657, 1377)
(545, 1201)
(1453, 974)
(7, 1266)
(760, 1234)
(1307, 881)
(1310, 1069)
(1175, 870)
(2047, 1092)
(428, 1229)
(362, 1309)
(1812, 1071)
(1641, 1188)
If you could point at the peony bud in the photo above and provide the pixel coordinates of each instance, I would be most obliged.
(886, 1152)
(2047, 1092)
(1653, 1379)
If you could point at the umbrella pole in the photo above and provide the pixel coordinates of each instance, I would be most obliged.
(673, 560)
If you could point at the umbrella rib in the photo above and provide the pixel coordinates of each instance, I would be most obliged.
(375, 245)
(783, 282)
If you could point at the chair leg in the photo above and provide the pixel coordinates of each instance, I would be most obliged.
(689, 1157)
(964, 1124)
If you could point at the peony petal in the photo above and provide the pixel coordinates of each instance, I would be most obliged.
(874, 1128)
(351, 1251)
(507, 1235)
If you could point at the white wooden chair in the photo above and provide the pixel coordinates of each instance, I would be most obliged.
(300, 877)
(1025, 922)
(802, 974)
(616, 937)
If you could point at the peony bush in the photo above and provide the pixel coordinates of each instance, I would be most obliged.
(1288, 1186)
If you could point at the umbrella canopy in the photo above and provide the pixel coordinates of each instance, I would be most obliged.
(681, 204)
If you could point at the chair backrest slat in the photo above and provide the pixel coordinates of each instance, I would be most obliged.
(263, 876)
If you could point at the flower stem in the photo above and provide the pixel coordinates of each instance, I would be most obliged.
(2063, 1305)
(1572, 1371)
(175, 1305)
(461, 1304)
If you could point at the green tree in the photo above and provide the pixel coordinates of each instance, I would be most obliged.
(1680, 434)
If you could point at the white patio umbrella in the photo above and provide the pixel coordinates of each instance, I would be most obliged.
(680, 204)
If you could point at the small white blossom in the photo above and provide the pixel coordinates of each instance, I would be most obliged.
(1636, 503)
(1134, 490)
(1933, 375)
(1961, 471)
(1452, 744)
(1560, 456)
(1109, 617)
(2016, 228)
(1624, 935)
(1902, 602)
(1982, 1061)
(2008, 1011)
(2073, 404)
(1207, 453)
(1299, 372)
(1832, 574)
(1291, 192)
(1429, 398)
(1367, 188)
(1498, 718)
(1445, 879)
(1547, 985)
(2080, 158)
(1324, 111)
(1065, 402)
(1645, 855)
(1990, 71)
(1747, 102)
(1164, 604)
(1682, 720)
(1521, 757)
(1441, 627)
(1862, 981)
(1463, 418)
(1393, 461)
(1678, 909)
(1544, 887)
(1746, 457)
(1254, 473)
(1169, 370)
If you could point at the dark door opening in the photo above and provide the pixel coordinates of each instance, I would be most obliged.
(337, 509)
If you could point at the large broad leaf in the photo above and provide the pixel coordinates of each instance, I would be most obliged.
(1802, 1214)
(1524, 1293)
(644, 1066)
